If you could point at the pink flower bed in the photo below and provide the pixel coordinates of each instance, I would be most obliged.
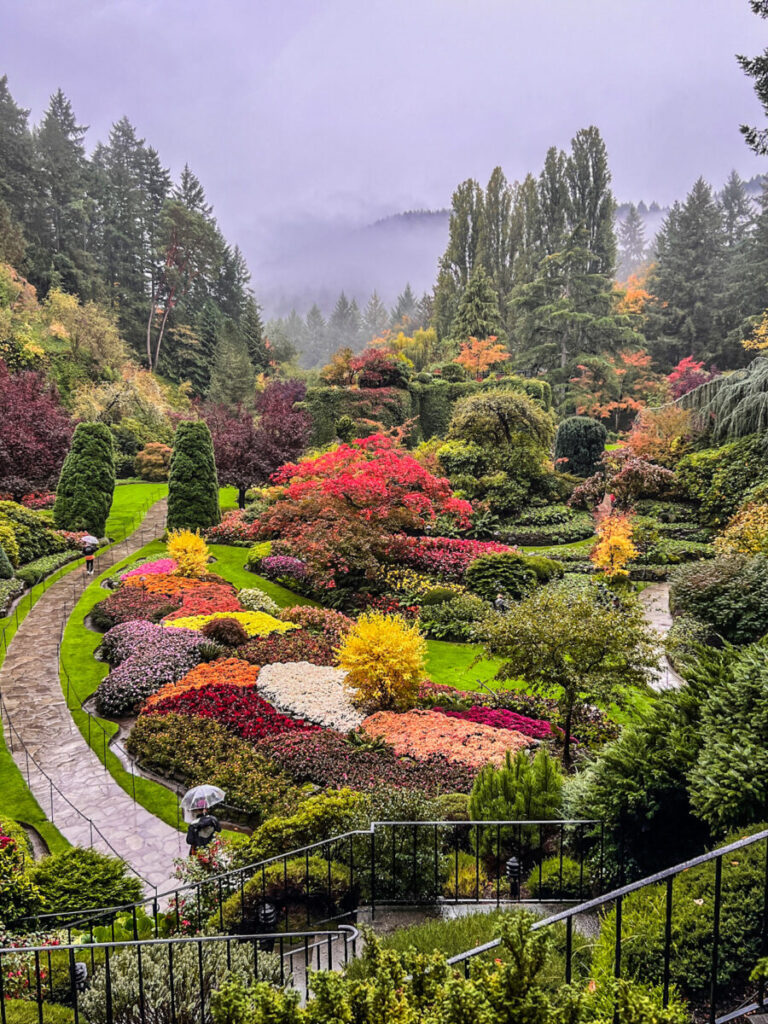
(424, 734)
(159, 567)
(499, 718)
(447, 557)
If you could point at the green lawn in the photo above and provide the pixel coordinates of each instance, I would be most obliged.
(230, 564)
(131, 500)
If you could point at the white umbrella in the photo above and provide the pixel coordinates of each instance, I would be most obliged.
(89, 539)
(200, 798)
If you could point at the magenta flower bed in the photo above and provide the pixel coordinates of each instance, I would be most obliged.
(446, 557)
(275, 567)
(499, 718)
(156, 568)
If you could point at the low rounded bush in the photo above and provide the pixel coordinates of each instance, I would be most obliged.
(452, 807)
(383, 656)
(437, 595)
(227, 632)
(255, 600)
(256, 553)
(685, 636)
(318, 817)
(730, 593)
(153, 463)
(463, 877)
(500, 573)
(546, 569)
(456, 619)
(79, 879)
(558, 880)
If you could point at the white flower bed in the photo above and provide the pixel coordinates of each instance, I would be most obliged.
(312, 692)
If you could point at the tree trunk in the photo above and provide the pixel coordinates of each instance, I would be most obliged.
(241, 496)
(149, 330)
(567, 739)
(161, 333)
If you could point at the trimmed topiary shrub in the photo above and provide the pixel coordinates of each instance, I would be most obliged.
(193, 487)
(500, 573)
(227, 632)
(579, 443)
(87, 481)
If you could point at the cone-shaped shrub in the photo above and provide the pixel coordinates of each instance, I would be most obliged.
(87, 481)
(193, 488)
(579, 443)
(6, 569)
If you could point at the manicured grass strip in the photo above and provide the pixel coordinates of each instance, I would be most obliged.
(81, 675)
(129, 503)
(577, 545)
(452, 664)
(230, 564)
(227, 499)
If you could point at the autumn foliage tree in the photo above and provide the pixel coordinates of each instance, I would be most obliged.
(661, 435)
(690, 373)
(478, 355)
(34, 434)
(250, 449)
(614, 388)
(614, 548)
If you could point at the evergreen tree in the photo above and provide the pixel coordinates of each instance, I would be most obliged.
(191, 193)
(495, 246)
(252, 330)
(6, 569)
(757, 69)
(405, 310)
(579, 443)
(424, 310)
(375, 319)
(591, 205)
(87, 481)
(18, 178)
(193, 488)
(13, 245)
(738, 210)
(344, 324)
(463, 250)
(478, 313)
(316, 328)
(632, 243)
(232, 376)
(155, 187)
(687, 281)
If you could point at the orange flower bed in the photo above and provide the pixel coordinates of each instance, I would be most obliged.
(197, 597)
(227, 672)
(422, 734)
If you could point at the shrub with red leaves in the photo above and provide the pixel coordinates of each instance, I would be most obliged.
(446, 557)
(238, 708)
(298, 645)
(326, 759)
(228, 632)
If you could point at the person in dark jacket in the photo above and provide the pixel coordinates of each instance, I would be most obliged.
(202, 831)
(89, 550)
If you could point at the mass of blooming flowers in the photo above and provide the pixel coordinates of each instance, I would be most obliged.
(160, 566)
(276, 567)
(233, 529)
(499, 718)
(424, 734)
(224, 672)
(254, 623)
(445, 557)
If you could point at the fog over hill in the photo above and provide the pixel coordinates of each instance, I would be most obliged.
(314, 262)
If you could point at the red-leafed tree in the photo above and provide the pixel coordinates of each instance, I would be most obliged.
(35, 431)
(689, 374)
(340, 512)
(248, 450)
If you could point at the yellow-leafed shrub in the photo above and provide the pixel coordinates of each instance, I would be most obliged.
(614, 548)
(746, 533)
(189, 551)
(383, 656)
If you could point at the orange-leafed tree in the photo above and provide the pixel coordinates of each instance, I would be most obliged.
(614, 548)
(758, 339)
(661, 435)
(633, 295)
(479, 355)
(615, 388)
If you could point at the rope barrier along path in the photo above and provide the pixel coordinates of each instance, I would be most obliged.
(66, 777)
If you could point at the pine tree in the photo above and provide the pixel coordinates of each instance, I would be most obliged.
(87, 481)
(316, 329)
(478, 313)
(344, 324)
(193, 488)
(191, 193)
(632, 243)
(232, 376)
(375, 319)
(252, 330)
(738, 210)
(688, 281)
(18, 178)
(757, 69)
(404, 310)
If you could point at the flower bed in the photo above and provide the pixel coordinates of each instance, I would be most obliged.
(277, 567)
(327, 759)
(239, 709)
(317, 694)
(160, 566)
(147, 657)
(254, 623)
(323, 621)
(233, 529)
(499, 718)
(299, 645)
(224, 672)
(423, 734)
(129, 604)
(445, 557)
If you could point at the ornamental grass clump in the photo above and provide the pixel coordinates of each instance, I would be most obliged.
(383, 656)
(189, 551)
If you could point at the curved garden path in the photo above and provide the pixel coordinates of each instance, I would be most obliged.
(655, 602)
(76, 791)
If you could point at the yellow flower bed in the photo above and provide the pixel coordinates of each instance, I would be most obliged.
(254, 623)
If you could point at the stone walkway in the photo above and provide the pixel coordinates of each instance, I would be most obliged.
(655, 602)
(78, 794)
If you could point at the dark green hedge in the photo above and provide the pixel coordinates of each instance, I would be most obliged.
(87, 481)
(193, 487)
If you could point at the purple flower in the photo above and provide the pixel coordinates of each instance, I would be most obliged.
(283, 566)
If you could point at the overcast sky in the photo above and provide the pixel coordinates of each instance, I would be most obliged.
(299, 110)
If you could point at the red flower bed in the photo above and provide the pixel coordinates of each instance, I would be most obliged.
(499, 718)
(130, 603)
(298, 645)
(233, 529)
(238, 708)
(213, 598)
(326, 759)
(446, 557)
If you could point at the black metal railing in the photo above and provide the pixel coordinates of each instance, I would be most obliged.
(615, 900)
(390, 863)
(171, 977)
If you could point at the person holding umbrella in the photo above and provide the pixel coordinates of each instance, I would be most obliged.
(203, 826)
(90, 547)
